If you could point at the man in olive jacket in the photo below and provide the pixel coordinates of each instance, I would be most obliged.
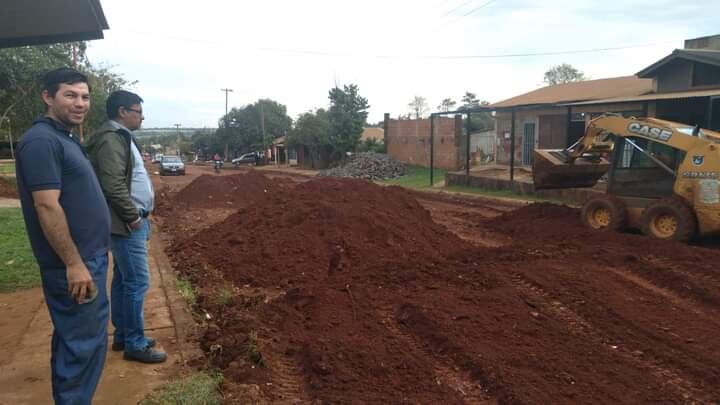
(118, 164)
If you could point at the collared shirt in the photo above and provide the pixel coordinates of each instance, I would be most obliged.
(141, 191)
(49, 157)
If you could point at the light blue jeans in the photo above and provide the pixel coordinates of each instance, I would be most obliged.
(130, 283)
(79, 339)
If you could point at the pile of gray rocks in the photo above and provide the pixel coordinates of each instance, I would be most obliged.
(368, 165)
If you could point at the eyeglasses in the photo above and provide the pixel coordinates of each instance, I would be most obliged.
(134, 110)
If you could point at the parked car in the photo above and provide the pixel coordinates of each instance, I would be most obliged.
(157, 158)
(248, 158)
(172, 165)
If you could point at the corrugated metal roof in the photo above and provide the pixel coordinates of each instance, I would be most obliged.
(651, 97)
(34, 22)
(624, 86)
(708, 56)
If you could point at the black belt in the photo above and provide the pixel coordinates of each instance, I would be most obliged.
(144, 214)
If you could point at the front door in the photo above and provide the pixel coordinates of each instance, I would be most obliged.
(528, 144)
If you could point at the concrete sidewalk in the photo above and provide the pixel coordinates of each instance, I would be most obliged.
(26, 330)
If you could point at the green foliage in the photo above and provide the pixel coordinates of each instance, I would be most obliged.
(417, 177)
(251, 347)
(199, 389)
(22, 67)
(18, 268)
(563, 73)
(224, 296)
(312, 131)
(7, 168)
(186, 290)
(446, 105)
(246, 126)
(483, 121)
(347, 115)
(371, 145)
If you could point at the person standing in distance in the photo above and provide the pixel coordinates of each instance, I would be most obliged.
(117, 161)
(68, 225)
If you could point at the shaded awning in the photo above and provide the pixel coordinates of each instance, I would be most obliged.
(35, 22)
(651, 97)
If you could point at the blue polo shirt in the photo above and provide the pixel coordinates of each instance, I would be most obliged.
(49, 157)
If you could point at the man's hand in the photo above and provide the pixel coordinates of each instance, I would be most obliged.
(137, 224)
(80, 283)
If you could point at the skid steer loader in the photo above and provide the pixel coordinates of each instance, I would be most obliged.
(662, 176)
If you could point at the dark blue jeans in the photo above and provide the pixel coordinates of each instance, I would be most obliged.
(131, 280)
(79, 340)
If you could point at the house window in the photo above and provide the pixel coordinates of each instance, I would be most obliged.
(705, 75)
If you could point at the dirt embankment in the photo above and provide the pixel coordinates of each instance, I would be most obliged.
(350, 292)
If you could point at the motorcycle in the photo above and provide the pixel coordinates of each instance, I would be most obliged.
(218, 166)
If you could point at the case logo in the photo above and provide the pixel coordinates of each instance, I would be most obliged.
(660, 134)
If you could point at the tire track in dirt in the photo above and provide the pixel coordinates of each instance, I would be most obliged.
(446, 373)
(577, 325)
(615, 333)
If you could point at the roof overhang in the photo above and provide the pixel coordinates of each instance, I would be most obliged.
(711, 57)
(36, 22)
(650, 97)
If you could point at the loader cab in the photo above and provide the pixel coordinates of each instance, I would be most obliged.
(634, 174)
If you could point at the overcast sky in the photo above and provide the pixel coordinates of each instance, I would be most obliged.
(183, 52)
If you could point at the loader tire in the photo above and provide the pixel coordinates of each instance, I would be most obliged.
(604, 213)
(670, 219)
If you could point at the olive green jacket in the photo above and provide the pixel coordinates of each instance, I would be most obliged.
(109, 152)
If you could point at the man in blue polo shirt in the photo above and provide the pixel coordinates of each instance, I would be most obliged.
(68, 225)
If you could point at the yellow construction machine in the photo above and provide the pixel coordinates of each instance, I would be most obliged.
(662, 177)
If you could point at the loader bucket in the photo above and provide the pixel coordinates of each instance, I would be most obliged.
(552, 171)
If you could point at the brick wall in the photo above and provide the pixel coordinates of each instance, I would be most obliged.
(409, 142)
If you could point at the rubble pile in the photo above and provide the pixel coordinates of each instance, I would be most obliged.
(368, 165)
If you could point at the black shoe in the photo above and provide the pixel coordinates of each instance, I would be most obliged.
(146, 355)
(120, 346)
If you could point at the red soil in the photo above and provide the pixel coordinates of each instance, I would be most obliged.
(357, 296)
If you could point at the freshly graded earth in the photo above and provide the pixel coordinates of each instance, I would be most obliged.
(342, 291)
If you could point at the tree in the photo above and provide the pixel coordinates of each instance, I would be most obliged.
(563, 73)
(312, 131)
(418, 106)
(446, 105)
(479, 121)
(245, 127)
(20, 69)
(347, 115)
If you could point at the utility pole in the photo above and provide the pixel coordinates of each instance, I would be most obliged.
(227, 122)
(177, 140)
(226, 105)
(262, 130)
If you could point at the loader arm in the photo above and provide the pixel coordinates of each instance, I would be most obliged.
(582, 164)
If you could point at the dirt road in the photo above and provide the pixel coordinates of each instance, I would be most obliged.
(344, 291)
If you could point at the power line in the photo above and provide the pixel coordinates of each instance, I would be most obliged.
(465, 15)
(397, 56)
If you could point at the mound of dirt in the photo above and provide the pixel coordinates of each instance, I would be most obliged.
(320, 227)
(8, 189)
(233, 191)
(358, 296)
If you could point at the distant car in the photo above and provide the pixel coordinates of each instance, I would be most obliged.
(248, 158)
(157, 158)
(172, 165)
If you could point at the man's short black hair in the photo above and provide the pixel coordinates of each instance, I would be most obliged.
(120, 98)
(52, 80)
